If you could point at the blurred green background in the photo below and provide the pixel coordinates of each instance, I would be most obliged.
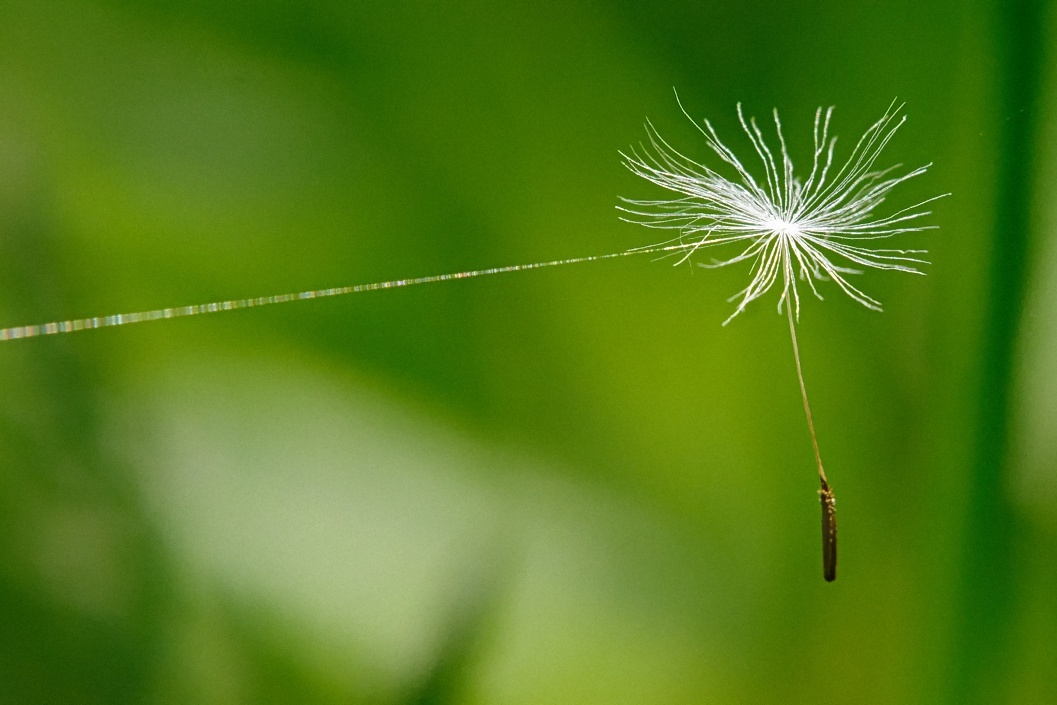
(561, 486)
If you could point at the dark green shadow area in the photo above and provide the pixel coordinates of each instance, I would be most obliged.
(996, 538)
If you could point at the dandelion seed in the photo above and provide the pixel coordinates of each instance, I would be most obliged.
(823, 228)
(829, 532)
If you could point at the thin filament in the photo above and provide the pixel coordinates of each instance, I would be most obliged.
(803, 395)
(121, 319)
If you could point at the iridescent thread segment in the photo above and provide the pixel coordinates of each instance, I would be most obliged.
(121, 319)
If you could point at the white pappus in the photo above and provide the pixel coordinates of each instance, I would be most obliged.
(821, 228)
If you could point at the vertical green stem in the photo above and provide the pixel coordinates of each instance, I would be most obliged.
(985, 613)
